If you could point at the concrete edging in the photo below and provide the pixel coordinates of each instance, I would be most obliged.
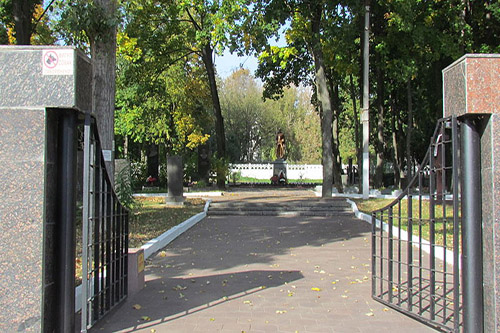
(164, 239)
(426, 246)
(157, 243)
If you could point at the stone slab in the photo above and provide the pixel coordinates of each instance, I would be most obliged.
(22, 168)
(472, 85)
(27, 84)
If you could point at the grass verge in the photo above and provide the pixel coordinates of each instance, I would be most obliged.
(148, 220)
(443, 225)
(152, 218)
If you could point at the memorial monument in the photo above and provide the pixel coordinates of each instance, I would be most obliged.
(279, 165)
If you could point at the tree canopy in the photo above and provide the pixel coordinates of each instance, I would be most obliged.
(168, 88)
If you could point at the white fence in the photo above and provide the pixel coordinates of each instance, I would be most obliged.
(265, 170)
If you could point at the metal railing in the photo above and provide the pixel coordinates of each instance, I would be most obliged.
(105, 235)
(416, 239)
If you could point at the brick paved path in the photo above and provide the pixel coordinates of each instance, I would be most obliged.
(261, 274)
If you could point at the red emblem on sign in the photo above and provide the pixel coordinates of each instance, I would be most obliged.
(51, 59)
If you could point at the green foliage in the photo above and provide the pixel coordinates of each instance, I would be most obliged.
(252, 123)
(124, 189)
(83, 22)
(138, 174)
(221, 168)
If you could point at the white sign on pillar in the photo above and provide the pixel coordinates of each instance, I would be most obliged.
(58, 62)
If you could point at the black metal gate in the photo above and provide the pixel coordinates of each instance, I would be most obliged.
(416, 240)
(105, 235)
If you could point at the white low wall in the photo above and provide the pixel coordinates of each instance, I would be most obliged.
(265, 170)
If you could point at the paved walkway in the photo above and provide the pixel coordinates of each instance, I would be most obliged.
(261, 274)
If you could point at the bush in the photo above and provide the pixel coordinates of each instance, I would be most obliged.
(123, 188)
(138, 175)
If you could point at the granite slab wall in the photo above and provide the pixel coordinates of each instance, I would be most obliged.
(28, 81)
(38, 84)
(472, 88)
(490, 182)
(22, 167)
(472, 85)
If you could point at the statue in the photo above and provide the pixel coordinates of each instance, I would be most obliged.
(280, 145)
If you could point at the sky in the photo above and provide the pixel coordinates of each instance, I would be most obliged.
(228, 63)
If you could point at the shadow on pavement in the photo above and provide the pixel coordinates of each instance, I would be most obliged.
(167, 298)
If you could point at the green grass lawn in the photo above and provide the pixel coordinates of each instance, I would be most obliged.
(153, 217)
(421, 222)
(257, 180)
(148, 220)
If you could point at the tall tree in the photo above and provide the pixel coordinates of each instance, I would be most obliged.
(91, 25)
(103, 81)
(22, 12)
(24, 22)
(304, 57)
(182, 28)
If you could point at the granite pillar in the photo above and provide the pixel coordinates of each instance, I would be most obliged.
(175, 180)
(39, 85)
(471, 89)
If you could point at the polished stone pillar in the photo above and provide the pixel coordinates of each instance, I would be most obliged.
(471, 91)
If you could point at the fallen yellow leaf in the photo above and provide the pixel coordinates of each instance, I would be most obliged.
(369, 314)
(145, 318)
(315, 289)
(137, 306)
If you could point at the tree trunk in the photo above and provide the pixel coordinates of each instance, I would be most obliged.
(337, 164)
(22, 11)
(395, 144)
(324, 100)
(207, 54)
(103, 84)
(409, 133)
(379, 169)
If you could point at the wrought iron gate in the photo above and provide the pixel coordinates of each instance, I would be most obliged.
(416, 245)
(105, 235)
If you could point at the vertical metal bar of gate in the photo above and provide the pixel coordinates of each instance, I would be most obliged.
(390, 260)
(410, 251)
(66, 192)
(85, 222)
(456, 222)
(471, 227)
(432, 221)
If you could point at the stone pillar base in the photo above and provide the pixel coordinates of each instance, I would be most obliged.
(135, 270)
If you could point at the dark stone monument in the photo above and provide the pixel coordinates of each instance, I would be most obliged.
(40, 87)
(203, 162)
(280, 165)
(175, 178)
(153, 161)
(472, 93)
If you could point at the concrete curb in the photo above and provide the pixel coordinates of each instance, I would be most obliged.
(186, 194)
(156, 244)
(164, 239)
(439, 252)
